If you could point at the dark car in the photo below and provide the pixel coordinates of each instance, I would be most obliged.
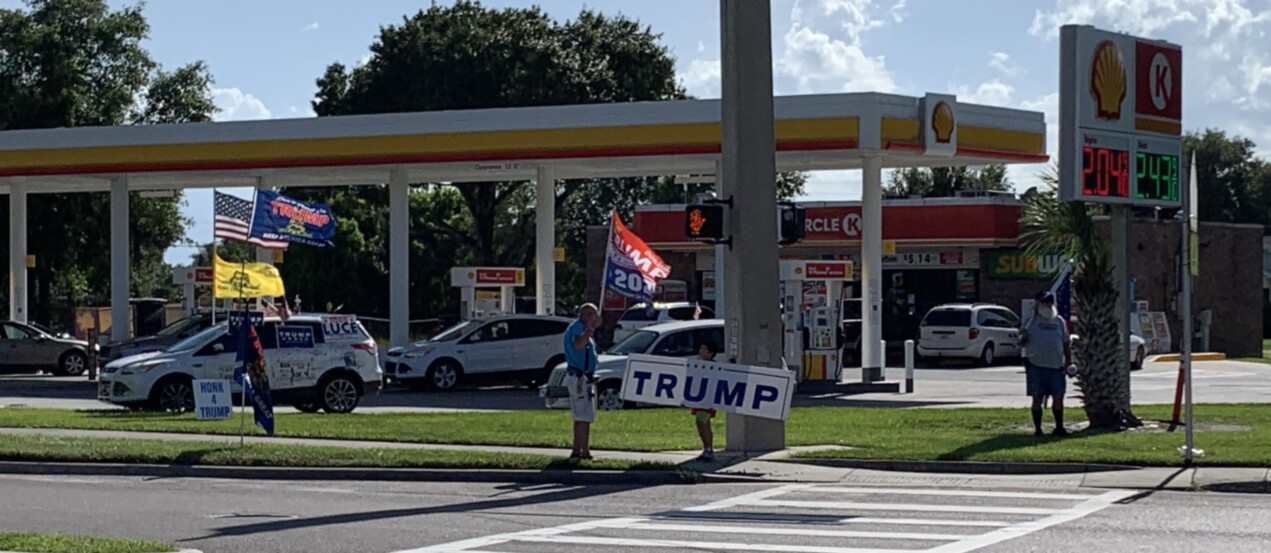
(160, 341)
(25, 347)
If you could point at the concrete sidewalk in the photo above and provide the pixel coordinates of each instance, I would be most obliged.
(773, 467)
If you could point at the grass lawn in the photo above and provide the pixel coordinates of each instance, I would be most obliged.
(102, 450)
(54, 543)
(872, 433)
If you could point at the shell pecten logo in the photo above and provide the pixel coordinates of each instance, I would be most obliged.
(942, 122)
(1108, 80)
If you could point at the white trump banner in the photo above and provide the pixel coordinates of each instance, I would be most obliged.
(677, 382)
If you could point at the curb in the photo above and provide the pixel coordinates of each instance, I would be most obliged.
(551, 476)
(1175, 357)
(962, 467)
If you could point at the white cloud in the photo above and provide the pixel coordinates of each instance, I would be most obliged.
(237, 105)
(306, 111)
(311, 27)
(1001, 61)
(1026, 176)
(701, 46)
(993, 93)
(702, 78)
(898, 13)
(820, 61)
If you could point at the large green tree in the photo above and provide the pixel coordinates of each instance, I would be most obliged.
(939, 182)
(1234, 184)
(71, 63)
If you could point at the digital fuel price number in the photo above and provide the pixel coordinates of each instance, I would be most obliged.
(1156, 177)
(1105, 172)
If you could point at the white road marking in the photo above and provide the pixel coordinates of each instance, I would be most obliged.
(855, 506)
(720, 546)
(929, 522)
(469, 545)
(747, 499)
(951, 493)
(707, 529)
(1084, 509)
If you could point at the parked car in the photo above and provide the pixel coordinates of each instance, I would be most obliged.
(25, 347)
(332, 375)
(639, 316)
(1137, 351)
(981, 332)
(676, 339)
(171, 334)
(528, 345)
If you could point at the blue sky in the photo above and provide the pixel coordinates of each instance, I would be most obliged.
(266, 55)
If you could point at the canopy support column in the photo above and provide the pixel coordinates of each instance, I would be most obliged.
(399, 257)
(120, 321)
(17, 252)
(545, 241)
(873, 356)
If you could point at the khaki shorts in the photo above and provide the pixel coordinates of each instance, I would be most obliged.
(582, 402)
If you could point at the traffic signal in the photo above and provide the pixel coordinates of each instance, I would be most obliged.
(792, 224)
(704, 222)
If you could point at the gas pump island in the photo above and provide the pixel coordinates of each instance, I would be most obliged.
(812, 295)
(477, 299)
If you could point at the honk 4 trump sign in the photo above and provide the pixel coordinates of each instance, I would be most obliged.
(677, 382)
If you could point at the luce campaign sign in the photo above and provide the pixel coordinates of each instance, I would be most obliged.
(677, 382)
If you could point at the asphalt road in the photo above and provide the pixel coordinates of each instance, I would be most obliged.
(224, 516)
(965, 386)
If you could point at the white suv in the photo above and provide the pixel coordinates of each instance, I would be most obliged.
(675, 339)
(638, 316)
(527, 344)
(982, 332)
(331, 373)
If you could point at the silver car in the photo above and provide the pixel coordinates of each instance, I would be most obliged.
(27, 347)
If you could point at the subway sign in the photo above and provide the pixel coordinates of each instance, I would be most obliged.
(1018, 264)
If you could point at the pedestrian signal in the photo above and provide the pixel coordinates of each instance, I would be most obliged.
(704, 222)
(792, 225)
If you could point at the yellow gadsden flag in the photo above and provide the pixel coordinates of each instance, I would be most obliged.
(245, 280)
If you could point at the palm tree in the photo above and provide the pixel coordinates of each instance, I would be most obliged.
(1049, 225)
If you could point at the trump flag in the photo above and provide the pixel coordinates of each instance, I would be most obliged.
(631, 267)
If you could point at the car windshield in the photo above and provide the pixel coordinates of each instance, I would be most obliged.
(455, 332)
(948, 317)
(198, 340)
(635, 343)
(175, 328)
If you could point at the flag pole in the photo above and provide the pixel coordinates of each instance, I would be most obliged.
(604, 280)
(242, 304)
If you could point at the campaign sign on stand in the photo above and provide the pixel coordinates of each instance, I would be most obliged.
(212, 400)
(677, 382)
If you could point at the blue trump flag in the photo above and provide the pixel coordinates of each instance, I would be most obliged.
(277, 217)
(251, 375)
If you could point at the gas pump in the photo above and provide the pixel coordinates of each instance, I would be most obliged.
(811, 313)
(477, 300)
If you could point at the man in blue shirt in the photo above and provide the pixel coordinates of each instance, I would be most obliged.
(581, 360)
(1049, 347)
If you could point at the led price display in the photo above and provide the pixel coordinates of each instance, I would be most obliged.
(1105, 172)
(1156, 176)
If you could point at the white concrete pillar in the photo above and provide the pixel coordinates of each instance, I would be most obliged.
(120, 321)
(17, 252)
(720, 252)
(545, 241)
(872, 269)
(753, 328)
(399, 257)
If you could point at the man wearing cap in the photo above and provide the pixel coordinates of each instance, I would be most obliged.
(1045, 335)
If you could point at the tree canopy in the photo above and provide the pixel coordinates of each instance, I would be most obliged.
(72, 63)
(939, 182)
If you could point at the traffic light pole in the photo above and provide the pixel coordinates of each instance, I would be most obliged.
(752, 328)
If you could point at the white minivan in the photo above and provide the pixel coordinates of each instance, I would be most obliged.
(523, 345)
(981, 332)
(314, 362)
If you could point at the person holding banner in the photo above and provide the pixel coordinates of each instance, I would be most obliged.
(1049, 347)
(706, 352)
(581, 361)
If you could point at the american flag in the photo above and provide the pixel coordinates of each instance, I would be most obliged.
(233, 222)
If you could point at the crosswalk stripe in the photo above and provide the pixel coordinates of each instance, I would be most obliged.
(747, 498)
(951, 493)
(752, 517)
(722, 546)
(796, 532)
(1022, 529)
(850, 505)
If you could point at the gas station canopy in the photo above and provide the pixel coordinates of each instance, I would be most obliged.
(822, 132)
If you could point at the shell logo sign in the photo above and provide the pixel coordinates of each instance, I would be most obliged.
(1108, 80)
(942, 123)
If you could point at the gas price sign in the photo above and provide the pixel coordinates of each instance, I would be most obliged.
(1120, 113)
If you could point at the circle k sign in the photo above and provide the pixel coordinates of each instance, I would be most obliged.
(833, 223)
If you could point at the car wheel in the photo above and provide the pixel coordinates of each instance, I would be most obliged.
(609, 397)
(1139, 357)
(174, 394)
(72, 363)
(546, 375)
(444, 375)
(988, 356)
(338, 394)
(308, 407)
